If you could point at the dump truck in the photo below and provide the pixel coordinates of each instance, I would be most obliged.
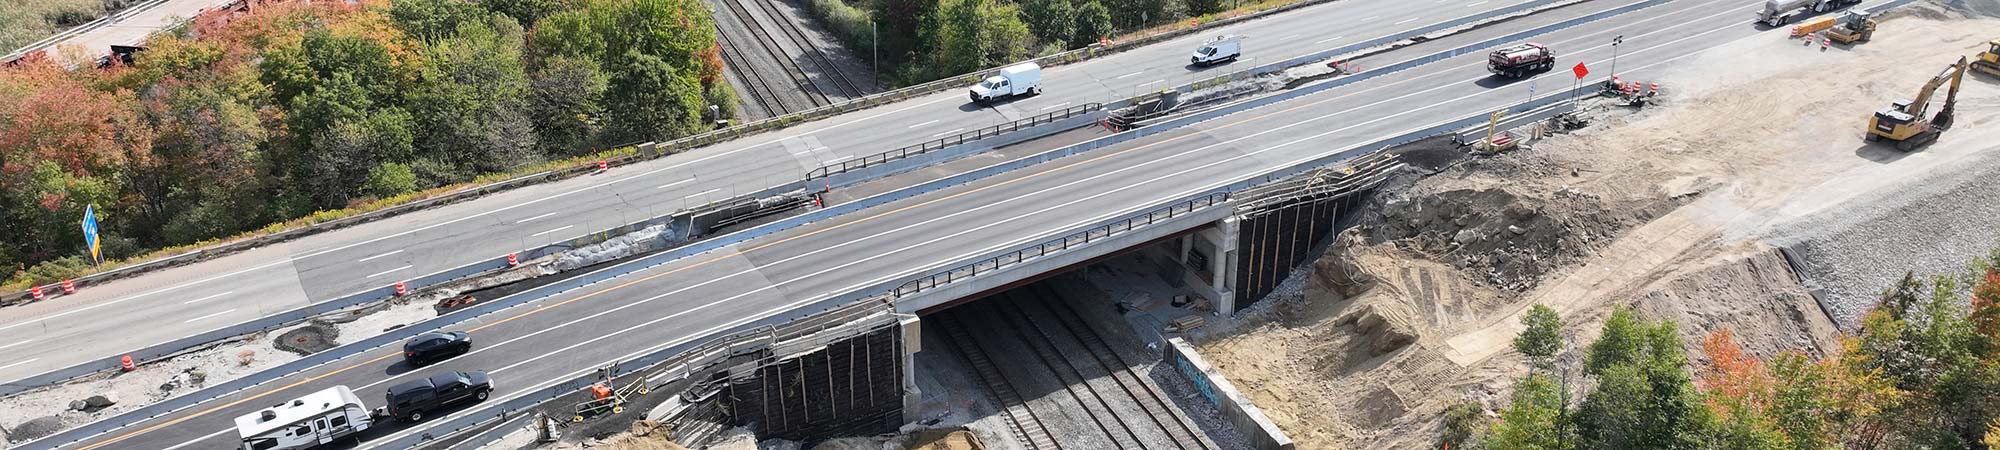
(1908, 123)
(1520, 60)
(1777, 13)
(1989, 62)
(1852, 26)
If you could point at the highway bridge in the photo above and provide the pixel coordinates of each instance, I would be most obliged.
(808, 268)
(102, 322)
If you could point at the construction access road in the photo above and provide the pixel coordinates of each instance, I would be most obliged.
(565, 335)
(102, 322)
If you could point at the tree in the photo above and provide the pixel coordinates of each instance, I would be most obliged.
(1535, 419)
(471, 103)
(648, 99)
(1199, 7)
(431, 20)
(1621, 343)
(527, 12)
(1093, 21)
(565, 102)
(1542, 338)
(968, 35)
(1051, 21)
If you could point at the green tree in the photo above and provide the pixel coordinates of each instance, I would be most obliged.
(649, 99)
(968, 35)
(1536, 419)
(1051, 21)
(1644, 398)
(1542, 339)
(1093, 21)
(471, 103)
(389, 179)
(1199, 7)
(431, 20)
(565, 102)
(527, 12)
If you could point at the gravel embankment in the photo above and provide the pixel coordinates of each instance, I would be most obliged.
(1934, 224)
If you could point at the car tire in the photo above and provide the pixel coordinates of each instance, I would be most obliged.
(414, 416)
(482, 394)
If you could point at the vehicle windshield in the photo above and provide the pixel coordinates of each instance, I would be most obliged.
(1206, 50)
(994, 83)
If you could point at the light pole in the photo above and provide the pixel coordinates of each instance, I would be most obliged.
(1614, 54)
(875, 48)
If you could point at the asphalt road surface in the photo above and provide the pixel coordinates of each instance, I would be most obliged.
(563, 336)
(103, 322)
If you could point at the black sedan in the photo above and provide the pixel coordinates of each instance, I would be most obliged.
(436, 346)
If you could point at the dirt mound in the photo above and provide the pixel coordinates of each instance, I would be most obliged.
(1770, 311)
(36, 428)
(1509, 240)
(312, 338)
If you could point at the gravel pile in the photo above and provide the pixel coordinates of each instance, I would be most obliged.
(1931, 225)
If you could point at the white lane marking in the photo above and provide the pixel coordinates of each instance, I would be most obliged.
(1323, 41)
(1412, 19)
(1370, 19)
(385, 254)
(698, 194)
(1054, 106)
(564, 227)
(199, 439)
(3, 347)
(769, 312)
(1288, 37)
(676, 183)
(531, 219)
(1477, 3)
(1129, 75)
(948, 132)
(29, 360)
(390, 271)
(925, 123)
(198, 300)
(230, 310)
(1152, 82)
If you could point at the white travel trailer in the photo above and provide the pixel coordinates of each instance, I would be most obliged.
(317, 418)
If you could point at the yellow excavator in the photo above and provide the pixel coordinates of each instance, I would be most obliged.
(1989, 62)
(1905, 123)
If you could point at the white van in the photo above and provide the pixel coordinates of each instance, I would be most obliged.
(1018, 79)
(307, 422)
(1221, 49)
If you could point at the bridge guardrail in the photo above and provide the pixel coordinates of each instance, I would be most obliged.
(867, 161)
(1031, 252)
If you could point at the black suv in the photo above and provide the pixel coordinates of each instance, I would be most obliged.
(409, 401)
(436, 346)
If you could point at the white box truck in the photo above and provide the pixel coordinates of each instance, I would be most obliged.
(1018, 79)
(1221, 49)
(1779, 12)
(310, 421)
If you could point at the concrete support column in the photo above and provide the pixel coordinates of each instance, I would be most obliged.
(912, 342)
(1210, 256)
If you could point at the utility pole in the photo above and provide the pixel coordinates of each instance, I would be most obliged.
(875, 47)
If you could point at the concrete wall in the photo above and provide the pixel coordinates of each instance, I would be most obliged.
(1244, 415)
(851, 387)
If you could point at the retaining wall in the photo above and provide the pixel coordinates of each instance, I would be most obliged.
(1241, 412)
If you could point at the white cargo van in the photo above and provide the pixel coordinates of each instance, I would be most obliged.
(1018, 79)
(307, 422)
(1221, 49)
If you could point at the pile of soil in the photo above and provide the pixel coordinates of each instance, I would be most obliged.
(1507, 236)
(313, 338)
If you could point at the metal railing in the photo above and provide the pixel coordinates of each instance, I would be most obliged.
(867, 161)
(1058, 244)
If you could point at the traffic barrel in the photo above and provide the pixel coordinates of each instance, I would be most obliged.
(35, 291)
(125, 363)
(513, 259)
(401, 290)
(1655, 89)
(69, 287)
(1825, 42)
(603, 165)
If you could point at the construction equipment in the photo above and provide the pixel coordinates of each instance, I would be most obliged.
(1905, 123)
(607, 397)
(1852, 26)
(1989, 62)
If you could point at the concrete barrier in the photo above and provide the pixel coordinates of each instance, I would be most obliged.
(1236, 407)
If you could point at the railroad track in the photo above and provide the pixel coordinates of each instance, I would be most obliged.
(1074, 379)
(1027, 429)
(770, 46)
(1177, 427)
(760, 90)
(813, 54)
